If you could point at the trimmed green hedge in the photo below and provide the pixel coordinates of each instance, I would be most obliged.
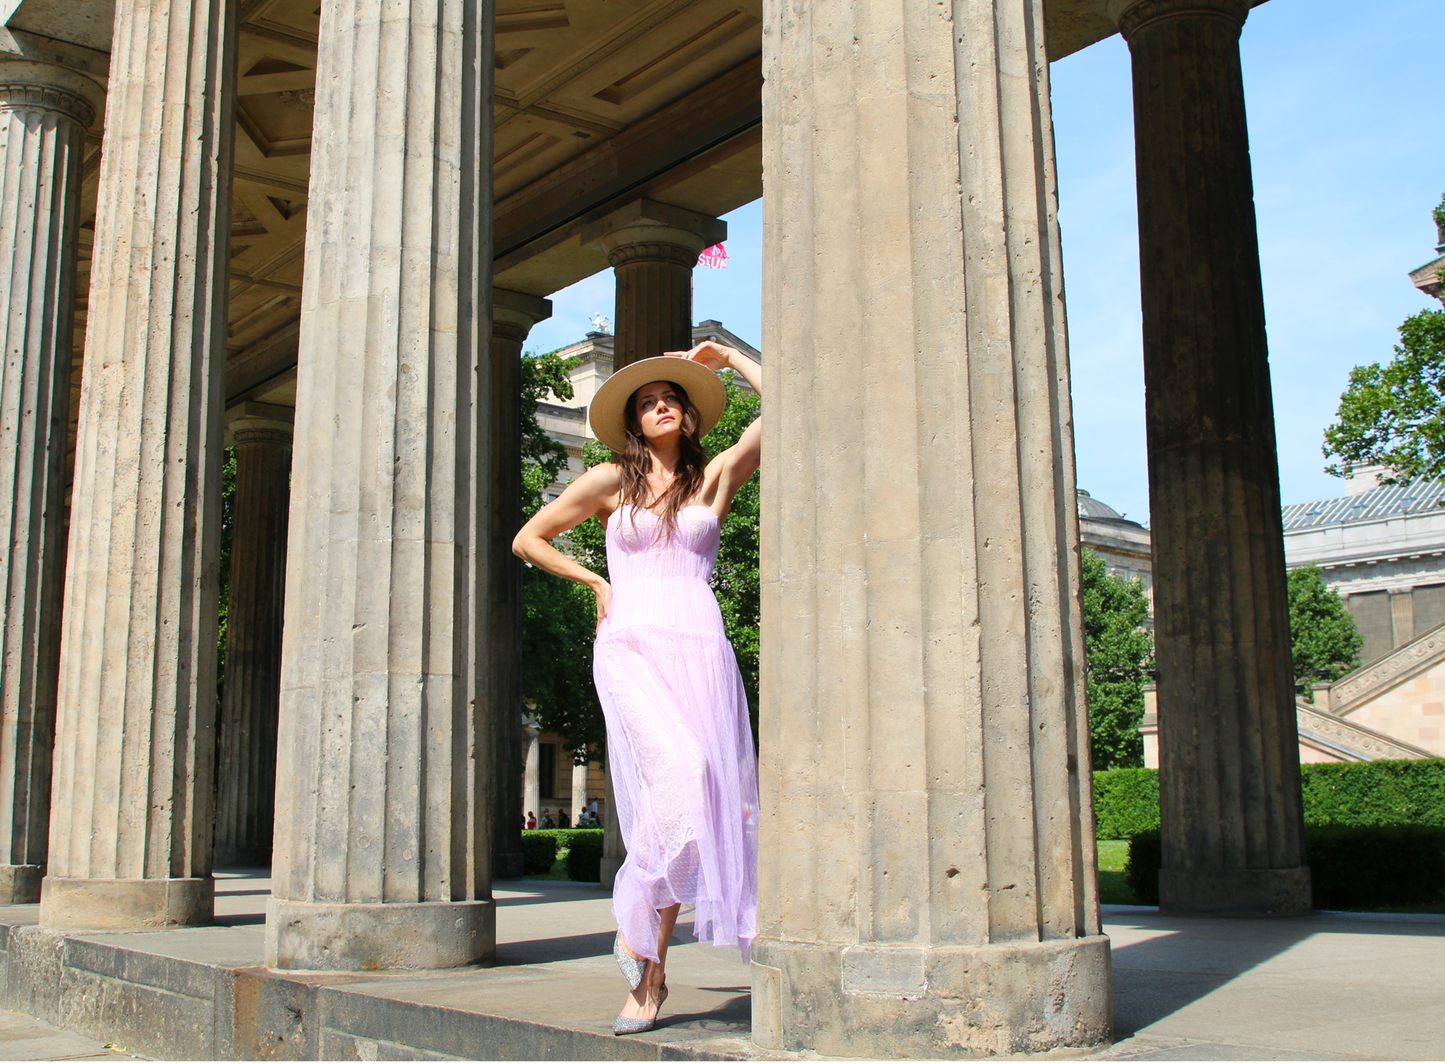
(542, 844)
(1352, 866)
(1375, 792)
(539, 852)
(1142, 867)
(584, 857)
(1126, 800)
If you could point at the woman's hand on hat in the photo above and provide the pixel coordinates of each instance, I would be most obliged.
(708, 353)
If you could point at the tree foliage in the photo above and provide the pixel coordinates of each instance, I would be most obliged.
(1326, 644)
(735, 578)
(1393, 415)
(1119, 652)
(559, 617)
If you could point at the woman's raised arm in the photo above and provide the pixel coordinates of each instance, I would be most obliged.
(732, 467)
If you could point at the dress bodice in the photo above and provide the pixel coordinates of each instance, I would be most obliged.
(662, 580)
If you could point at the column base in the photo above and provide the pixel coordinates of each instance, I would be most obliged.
(609, 868)
(126, 904)
(242, 857)
(1253, 891)
(358, 937)
(508, 865)
(940, 1002)
(20, 884)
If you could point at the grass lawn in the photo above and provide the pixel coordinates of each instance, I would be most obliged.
(1113, 887)
(559, 868)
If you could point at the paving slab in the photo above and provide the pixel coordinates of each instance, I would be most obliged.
(26, 1038)
(1319, 987)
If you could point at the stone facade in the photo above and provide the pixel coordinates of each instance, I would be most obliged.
(1382, 547)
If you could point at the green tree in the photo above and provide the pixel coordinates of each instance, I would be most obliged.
(559, 617)
(1393, 415)
(1118, 652)
(1325, 642)
(735, 578)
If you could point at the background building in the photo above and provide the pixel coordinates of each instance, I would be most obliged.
(1382, 547)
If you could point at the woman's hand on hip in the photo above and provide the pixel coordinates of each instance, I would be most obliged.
(603, 590)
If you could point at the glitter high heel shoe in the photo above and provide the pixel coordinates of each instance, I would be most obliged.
(633, 968)
(624, 1025)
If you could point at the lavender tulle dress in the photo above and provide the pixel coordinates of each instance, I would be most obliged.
(679, 747)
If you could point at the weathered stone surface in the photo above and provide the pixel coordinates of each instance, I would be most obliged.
(349, 937)
(44, 113)
(1231, 816)
(134, 752)
(117, 904)
(614, 850)
(246, 765)
(927, 873)
(386, 733)
(532, 771)
(652, 248)
(513, 315)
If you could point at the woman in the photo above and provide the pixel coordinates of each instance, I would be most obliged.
(679, 746)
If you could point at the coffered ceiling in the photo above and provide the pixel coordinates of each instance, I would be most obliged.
(596, 100)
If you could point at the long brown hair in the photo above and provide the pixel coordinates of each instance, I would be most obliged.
(636, 462)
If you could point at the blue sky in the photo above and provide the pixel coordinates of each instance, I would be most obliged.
(1345, 112)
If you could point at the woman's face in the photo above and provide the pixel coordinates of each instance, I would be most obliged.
(659, 410)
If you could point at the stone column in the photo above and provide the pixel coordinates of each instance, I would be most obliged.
(383, 844)
(513, 315)
(532, 773)
(130, 832)
(652, 248)
(927, 877)
(579, 793)
(246, 765)
(614, 850)
(44, 113)
(1232, 823)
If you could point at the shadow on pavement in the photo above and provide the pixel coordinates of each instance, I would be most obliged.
(1189, 958)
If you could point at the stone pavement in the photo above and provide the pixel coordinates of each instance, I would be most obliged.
(25, 1038)
(1325, 986)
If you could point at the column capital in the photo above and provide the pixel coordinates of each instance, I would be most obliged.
(30, 83)
(646, 230)
(514, 313)
(248, 421)
(1133, 15)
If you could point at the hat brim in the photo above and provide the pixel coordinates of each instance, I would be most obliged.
(609, 406)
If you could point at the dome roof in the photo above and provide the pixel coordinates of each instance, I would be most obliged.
(1092, 507)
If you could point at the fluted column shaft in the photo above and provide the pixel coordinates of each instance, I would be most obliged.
(44, 113)
(653, 248)
(251, 690)
(130, 833)
(532, 772)
(1232, 822)
(513, 315)
(382, 855)
(926, 874)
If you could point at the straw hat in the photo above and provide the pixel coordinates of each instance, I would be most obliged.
(608, 413)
